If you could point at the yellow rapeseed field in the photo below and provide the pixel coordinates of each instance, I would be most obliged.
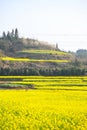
(46, 52)
(31, 60)
(44, 109)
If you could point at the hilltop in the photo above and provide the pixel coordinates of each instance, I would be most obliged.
(28, 56)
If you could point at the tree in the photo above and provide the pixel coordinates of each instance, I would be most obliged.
(12, 34)
(16, 33)
(4, 35)
(76, 62)
(8, 35)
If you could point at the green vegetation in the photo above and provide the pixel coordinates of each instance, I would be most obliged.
(73, 71)
(11, 35)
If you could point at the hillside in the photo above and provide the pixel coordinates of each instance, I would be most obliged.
(13, 46)
(32, 49)
(21, 54)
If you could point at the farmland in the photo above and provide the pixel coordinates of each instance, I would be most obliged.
(52, 95)
(54, 103)
(46, 82)
(31, 60)
(40, 52)
(45, 52)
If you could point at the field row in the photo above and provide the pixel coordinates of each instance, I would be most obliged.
(45, 52)
(42, 82)
(31, 60)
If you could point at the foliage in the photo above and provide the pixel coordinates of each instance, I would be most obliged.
(11, 35)
(45, 72)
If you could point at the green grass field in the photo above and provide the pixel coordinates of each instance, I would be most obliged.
(57, 103)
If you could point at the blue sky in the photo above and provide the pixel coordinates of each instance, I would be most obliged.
(56, 21)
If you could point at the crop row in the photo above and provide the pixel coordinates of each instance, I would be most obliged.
(42, 82)
(45, 52)
(31, 60)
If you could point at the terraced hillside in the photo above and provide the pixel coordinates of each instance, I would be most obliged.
(30, 53)
(25, 56)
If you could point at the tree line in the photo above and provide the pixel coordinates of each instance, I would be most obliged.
(73, 71)
(14, 34)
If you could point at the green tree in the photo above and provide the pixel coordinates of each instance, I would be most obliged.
(8, 35)
(4, 35)
(16, 33)
(12, 34)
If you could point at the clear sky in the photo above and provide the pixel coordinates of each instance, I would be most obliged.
(56, 21)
